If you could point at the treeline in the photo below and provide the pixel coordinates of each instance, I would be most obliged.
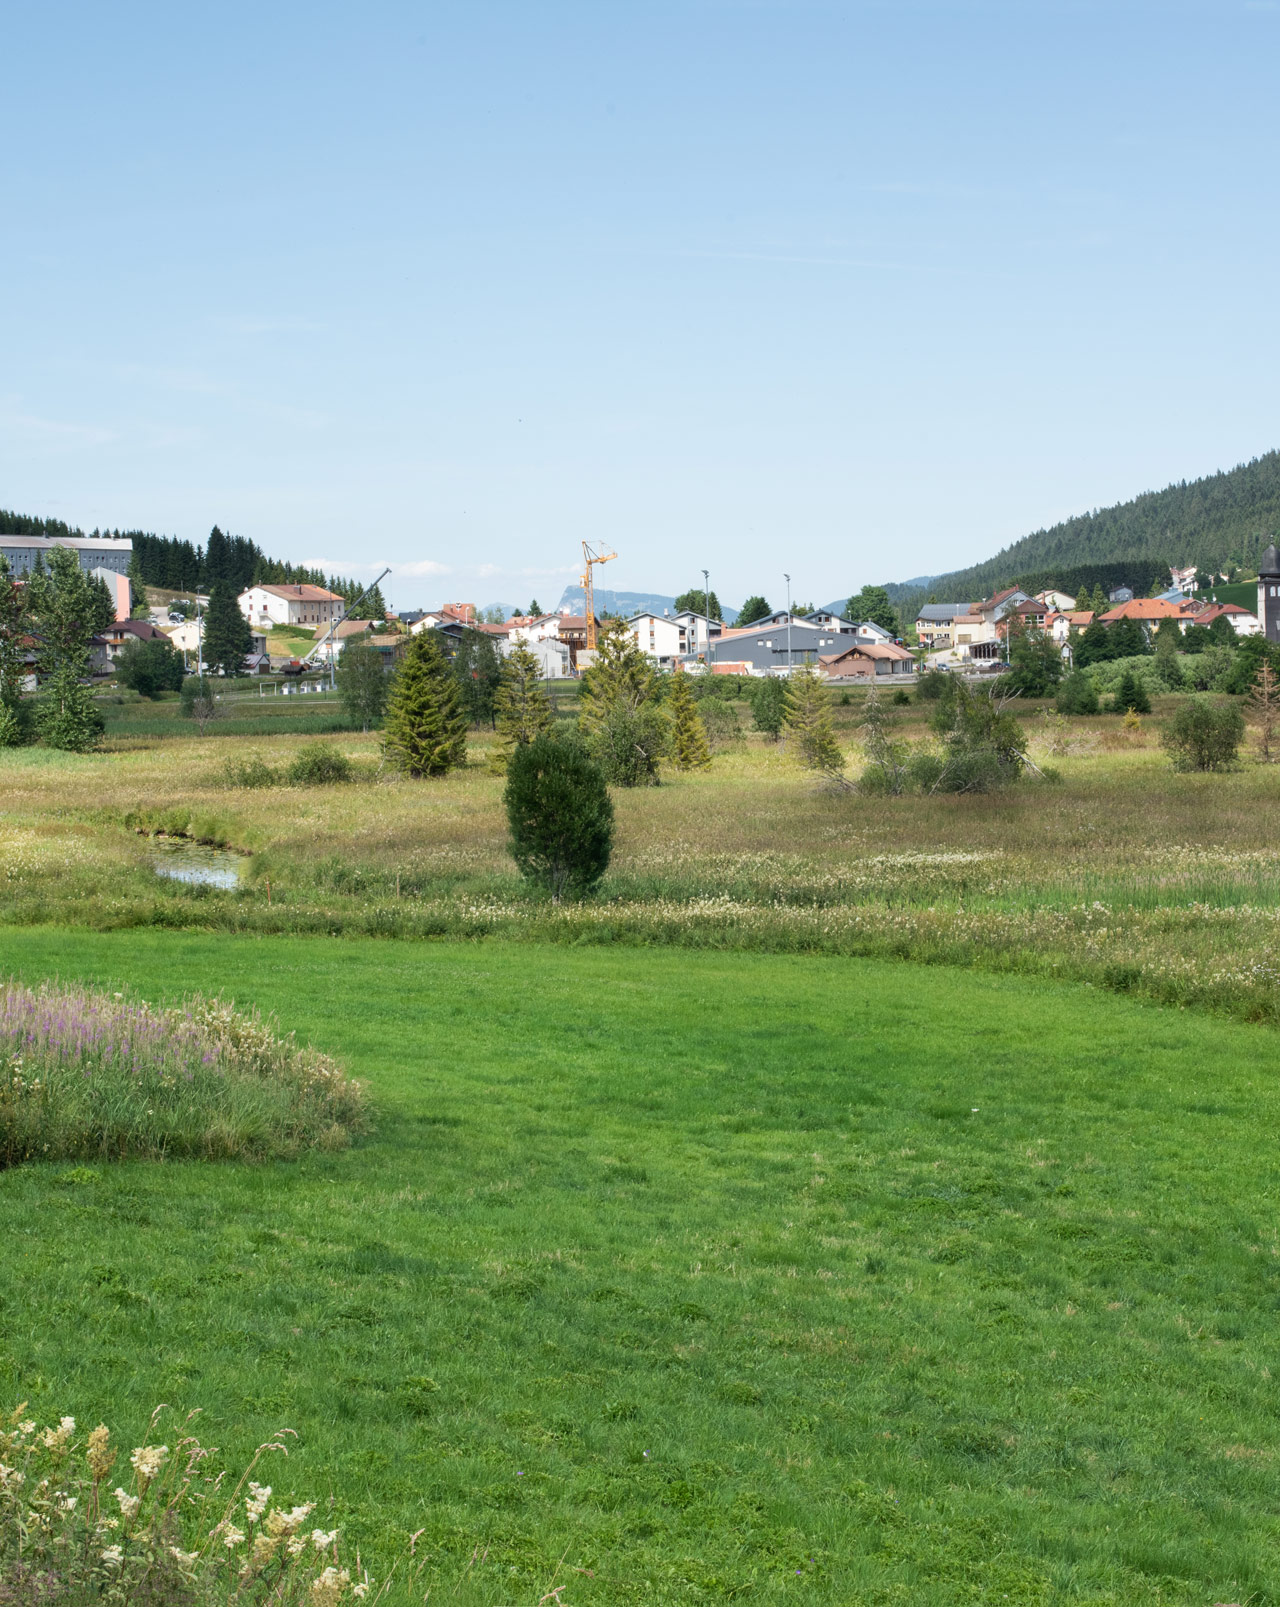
(177, 565)
(1223, 520)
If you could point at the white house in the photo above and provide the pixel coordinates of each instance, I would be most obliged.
(265, 606)
(699, 630)
(660, 637)
(1060, 601)
(551, 653)
(186, 637)
(530, 628)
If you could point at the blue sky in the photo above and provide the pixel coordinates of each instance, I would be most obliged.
(854, 290)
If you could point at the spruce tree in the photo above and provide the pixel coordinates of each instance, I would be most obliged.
(523, 712)
(618, 714)
(426, 726)
(689, 750)
(768, 701)
(560, 815)
(67, 716)
(226, 636)
(807, 719)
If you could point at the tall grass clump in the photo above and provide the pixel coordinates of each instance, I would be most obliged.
(87, 1075)
(173, 1532)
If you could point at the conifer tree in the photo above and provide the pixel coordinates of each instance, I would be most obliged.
(689, 750)
(618, 713)
(426, 725)
(560, 815)
(807, 719)
(227, 637)
(521, 705)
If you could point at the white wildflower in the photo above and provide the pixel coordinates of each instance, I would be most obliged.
(362, 1589)
(326, 1590)
(231, 1536)
(256, 1505)
(129, 1504)
(11, 1478)
(147, 1460)
(296, 1546)
(26, 1428)
(322, 1541)
(66, 1503)
(279, 1523)
(184, 1559)
(112, 1554)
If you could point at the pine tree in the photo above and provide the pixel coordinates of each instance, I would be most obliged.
(227, 637)
(426, 726)
(1264, 705)
(768, 706)
(523, 712)
(807, 718)
(689, 750)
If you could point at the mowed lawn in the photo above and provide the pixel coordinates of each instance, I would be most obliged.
(682, 1277)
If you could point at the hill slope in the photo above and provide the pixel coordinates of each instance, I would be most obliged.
(1224, 517)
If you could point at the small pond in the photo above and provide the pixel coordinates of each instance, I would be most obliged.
(193, 862)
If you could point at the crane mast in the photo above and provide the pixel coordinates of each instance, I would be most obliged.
(590, 557)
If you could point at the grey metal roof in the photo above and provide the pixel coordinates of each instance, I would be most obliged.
(81, 543)
(941, 611)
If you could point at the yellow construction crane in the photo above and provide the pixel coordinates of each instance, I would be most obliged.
(591, 556)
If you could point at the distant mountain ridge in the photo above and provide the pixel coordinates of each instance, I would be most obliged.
(573, 601)
(1228, 517)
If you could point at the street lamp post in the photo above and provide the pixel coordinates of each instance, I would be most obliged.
(706, 609)
(787, 578)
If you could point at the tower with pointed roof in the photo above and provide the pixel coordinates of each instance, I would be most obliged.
(1269, 593)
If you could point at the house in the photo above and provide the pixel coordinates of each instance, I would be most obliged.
(571, 629)
(701, 630)
(1061, 625)
(1149, 611)
(118, 589)
(1242, 621)
(659, 637)
(265, 606)
(551, 653)
(864, 661)
(117, 637)
(187, 637)
(777, 645)
(1033, 613)
(998, 606)
(1059, 601)
(1120, 594)
(935, 623)
(1184, 580)
(94, 552)
(447, 614)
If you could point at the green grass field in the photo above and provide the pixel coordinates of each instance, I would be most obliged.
(678, 1277)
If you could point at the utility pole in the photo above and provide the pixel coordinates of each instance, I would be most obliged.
(706, 609)
(787, 578)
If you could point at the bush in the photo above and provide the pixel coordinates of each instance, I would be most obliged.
(720, 721)
(901, 697)
(1204, 735)
(317, 764)
(1078, 694)
(560, 816)
(150, 668)
(95, 1077)
(768, 705)
(627, 744)
(66, 1538)
(255, 772)
(930, 685)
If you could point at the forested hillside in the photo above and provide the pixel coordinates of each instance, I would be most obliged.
(1224, 519)
(179, 565)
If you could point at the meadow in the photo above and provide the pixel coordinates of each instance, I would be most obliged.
(670, 1277)
(1116, 871)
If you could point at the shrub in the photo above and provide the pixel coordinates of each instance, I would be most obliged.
(1078, 694)
(175, 1531)
(150, 668)
(560, 815)
(1204, 735)
(930, 685)
(768, 706)
(318, 764)
(901, 697)
(719, 721)
(91, 1076)
(255, 772)
(66, 715)
(627, 743)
